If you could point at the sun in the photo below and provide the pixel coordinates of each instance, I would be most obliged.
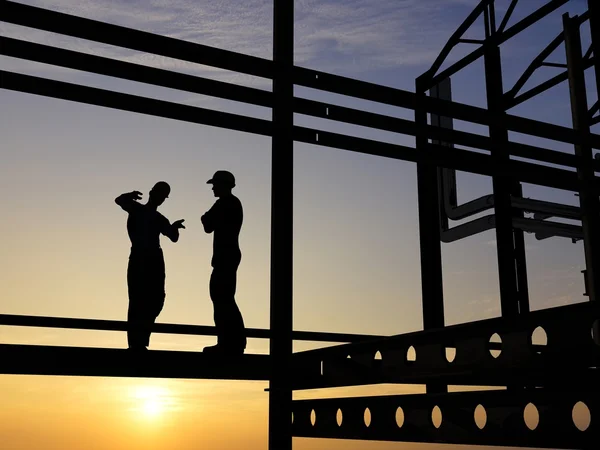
(151, 400)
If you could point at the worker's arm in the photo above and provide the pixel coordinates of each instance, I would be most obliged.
(129, 200)
(209, 219)
(172, 230)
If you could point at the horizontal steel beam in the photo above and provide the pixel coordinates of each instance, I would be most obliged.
(134, 72)
(331, 374)
(467, 355)
(173, 80)
(553, 209)
(459, 212)
(402, 126)
(103, 362)
(167, 328)
(436, 155)
(547, 227)
(405, 99)
(541, 227)
(463, 160)
(69, 25)
(488, 418)
(565, 326)
(471, 228)
(132, 103)
(105, 33)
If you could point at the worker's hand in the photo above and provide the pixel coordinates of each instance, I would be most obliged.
(135, 195)
(179, 224)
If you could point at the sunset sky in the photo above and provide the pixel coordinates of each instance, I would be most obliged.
(356, 262)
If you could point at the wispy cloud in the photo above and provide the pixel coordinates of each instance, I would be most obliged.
(359, 35)
(348, 37)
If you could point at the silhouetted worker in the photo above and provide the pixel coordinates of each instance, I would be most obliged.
(225, 220)
(146, 269)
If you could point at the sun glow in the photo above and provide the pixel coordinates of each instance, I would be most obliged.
(151, 400)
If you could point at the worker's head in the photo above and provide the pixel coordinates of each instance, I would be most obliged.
(159, 193)
(223, 182)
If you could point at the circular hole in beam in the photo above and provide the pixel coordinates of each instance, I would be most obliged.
(367, 417)
(378, 356)
(313, 417)
(531, 416)
(399, 417)
(495, 345)
(480, 416)
(411, 354)
(450, 354)
(582, 417)
(339, 417)
(539, 339)
(436, 416)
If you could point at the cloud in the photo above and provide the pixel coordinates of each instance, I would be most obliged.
(348, 37)
(358, 35)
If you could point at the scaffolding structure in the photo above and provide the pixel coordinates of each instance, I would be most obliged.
(553, 377)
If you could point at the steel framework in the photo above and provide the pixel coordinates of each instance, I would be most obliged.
(553, 377)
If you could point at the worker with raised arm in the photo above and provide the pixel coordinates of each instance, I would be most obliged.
(146, 269)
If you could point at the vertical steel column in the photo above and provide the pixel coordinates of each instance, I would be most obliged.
(429, 231)
(594, 9)
(443, 91)
(505, 242)
(282, 184)
(588, 197)
(520, 254)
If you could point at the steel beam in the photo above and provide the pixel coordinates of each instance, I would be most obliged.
(495, 40)
(455, 38)
(432, 286)
(105, 33)
(133, 72)
(147, 42)
(459, 159)
(132, 103)
(345, 373)
(510, 295)
(104, 362)
(282, 234)
(594, 13)
(507, 15)
(441, 156)
(535, 64)
(588, 197)
(566, 327)
(354, 116)
(167, 328)
(540, 227)
(405, 99)
(164, 78)
(543, 87)
(489, 418)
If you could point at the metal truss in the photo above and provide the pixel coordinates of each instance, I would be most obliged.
(467, 355)
(553, 377)
(541, 210)
(413, 418)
